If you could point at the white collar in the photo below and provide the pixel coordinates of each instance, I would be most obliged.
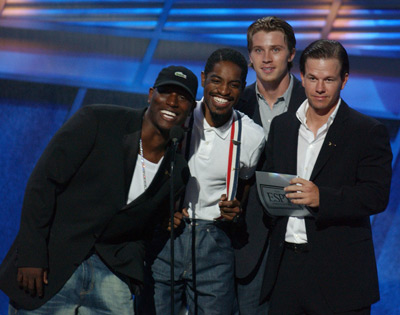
(301, 113)
(200, 121)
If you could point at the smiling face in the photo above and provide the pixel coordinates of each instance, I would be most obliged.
(322, 83)
(169, 106)
(270, 56)
(222, 88)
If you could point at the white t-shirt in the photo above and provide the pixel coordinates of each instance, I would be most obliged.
(137, 184)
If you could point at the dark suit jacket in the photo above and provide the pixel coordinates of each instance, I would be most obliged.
(253, 243)
(75, 201)
(353, 174)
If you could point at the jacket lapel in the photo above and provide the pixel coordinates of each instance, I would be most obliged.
(292, 142)
(254, 101)
(297, 97)
(249, 104)
(130, 144)
(131, 149)
(333, 140)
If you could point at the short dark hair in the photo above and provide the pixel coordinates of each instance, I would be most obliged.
(269, 24)
(326, 49)
(227, 54)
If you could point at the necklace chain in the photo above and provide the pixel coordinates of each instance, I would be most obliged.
(143, 165)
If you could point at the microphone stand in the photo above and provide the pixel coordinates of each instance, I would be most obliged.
(172, 232)
(176, 134)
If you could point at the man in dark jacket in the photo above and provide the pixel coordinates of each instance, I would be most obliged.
(92, 199)
(340, 160)
(271, 44)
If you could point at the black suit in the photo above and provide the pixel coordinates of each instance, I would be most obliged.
(254, 241)
(353, 174)
(75, 202)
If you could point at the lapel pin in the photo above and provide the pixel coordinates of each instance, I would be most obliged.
(332, 144)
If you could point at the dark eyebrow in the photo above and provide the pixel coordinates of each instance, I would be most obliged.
(218, 77)
(277, 46)
(215, 76)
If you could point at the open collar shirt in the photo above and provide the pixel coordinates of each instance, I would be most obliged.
(281, 105)
(308, 149)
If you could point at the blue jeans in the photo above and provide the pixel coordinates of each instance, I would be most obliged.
(92, 289)
(213, 290)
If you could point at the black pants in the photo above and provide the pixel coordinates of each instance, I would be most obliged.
(296, 290)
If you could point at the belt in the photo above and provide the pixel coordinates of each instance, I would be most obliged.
(224, 225)
(198, 221)
(298, 248)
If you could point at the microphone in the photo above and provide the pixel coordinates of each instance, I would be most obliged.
(176, 134)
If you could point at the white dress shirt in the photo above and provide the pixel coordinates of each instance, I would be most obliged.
(307, 153)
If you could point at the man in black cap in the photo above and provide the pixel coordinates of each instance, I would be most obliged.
(92, 199)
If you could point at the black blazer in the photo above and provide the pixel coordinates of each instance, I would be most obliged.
(353, 174)
(253, 241)
(75, 201)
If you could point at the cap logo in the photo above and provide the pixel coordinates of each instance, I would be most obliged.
(180, 74)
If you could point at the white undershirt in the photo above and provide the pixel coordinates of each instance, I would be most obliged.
(137, 184)
(308, 149)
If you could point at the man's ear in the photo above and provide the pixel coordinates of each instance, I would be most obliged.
(250, 64)
(150, 96)
(346, 77)
(203, 78)
(292, 54)
(302, 78)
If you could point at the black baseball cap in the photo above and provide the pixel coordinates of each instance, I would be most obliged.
(178, 75)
